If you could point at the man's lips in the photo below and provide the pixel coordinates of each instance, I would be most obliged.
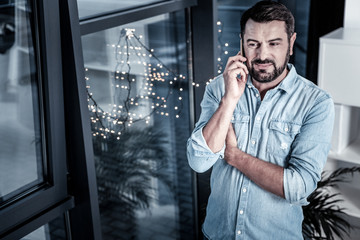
(263, 65)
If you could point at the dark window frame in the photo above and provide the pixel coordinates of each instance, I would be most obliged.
(34, 208)
(116, 18)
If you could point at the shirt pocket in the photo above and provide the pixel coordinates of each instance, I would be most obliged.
(281, 136)
(241, 127)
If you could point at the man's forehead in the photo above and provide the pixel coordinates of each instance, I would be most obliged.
(272, 28)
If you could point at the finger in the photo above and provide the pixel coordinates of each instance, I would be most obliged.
(239, 73)
(237, 66)
(235, 63)
(236, 58)
(244, 76)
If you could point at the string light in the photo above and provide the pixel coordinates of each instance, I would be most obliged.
(132, 94)
(123, 114)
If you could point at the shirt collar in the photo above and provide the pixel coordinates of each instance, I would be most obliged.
(289, 81)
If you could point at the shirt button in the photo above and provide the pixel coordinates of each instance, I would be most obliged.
(258, 118)
(244, 190)
(257, 95)
(238, 232)
(286, 129)
(253, 142)
(249, 86)
(241, 212)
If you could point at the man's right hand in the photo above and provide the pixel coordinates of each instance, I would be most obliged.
(234, 86)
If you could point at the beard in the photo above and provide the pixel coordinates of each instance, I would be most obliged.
(262, 75)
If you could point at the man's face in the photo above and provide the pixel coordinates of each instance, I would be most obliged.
(267, 50)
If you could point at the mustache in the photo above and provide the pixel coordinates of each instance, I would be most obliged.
(259, 61)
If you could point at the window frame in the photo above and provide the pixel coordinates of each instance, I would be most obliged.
(112, 19)
(34, 208)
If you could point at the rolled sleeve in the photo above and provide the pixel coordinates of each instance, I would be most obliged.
(200, 156)
(309, 152)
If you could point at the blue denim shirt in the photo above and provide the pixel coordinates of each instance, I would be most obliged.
(290, 127)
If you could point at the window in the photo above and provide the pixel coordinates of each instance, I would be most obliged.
(33, 188)
(137, 82)
(21, 145)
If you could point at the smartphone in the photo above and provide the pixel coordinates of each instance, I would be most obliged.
(241, 46)
(241, 52)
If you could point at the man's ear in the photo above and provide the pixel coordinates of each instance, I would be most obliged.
(292, 41)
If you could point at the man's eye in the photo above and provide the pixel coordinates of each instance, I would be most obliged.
(274, 44)
(252, 45)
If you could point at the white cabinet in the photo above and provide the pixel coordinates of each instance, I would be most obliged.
(339, 65)
(339, 74)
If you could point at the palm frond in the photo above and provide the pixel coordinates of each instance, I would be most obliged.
(338, 176)
(323, 218)
(125, 168)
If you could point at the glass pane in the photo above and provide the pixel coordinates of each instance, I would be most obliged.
(20, 141)
(89, 8)
(138, 99)
(54, 230)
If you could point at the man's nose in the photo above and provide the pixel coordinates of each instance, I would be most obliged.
(263, 52)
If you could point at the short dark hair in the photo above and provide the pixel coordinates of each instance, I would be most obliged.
(267, 11)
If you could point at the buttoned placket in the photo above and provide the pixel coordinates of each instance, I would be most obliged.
(256, 110)
(256, 125)
(240, 228)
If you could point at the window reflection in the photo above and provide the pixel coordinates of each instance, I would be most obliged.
(20, 141)
(138, 89)
(88, 8)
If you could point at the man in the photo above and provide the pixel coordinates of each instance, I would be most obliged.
(266, 132)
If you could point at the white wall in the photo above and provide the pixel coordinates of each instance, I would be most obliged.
(352, 16)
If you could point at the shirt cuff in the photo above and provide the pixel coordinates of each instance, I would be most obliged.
(199, 138)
